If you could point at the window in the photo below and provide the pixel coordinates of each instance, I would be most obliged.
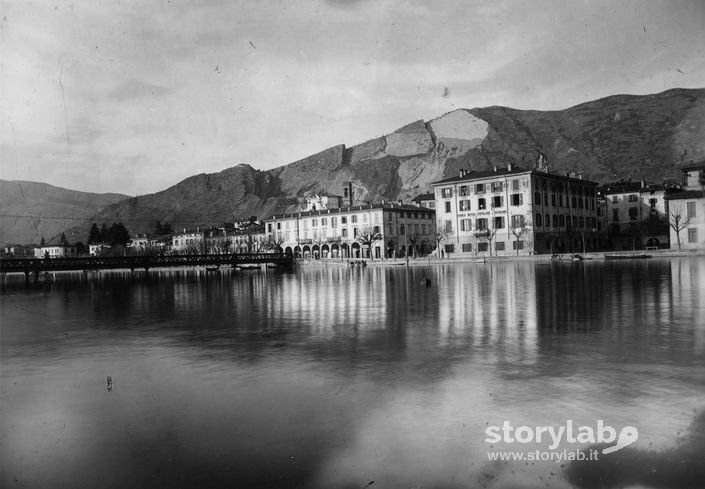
(575, 221)
(448, 226)
(467, 247)
(464, 191)
(353, 219)
(447, 206)
(343, 220)
(447, 193)
(498, 222)
(537, 198)
(355, 232)
(553, 200)
(615, 214)
(581, 222)
(561, 220)
(496, 186)
(482, 247)
(464, 205)
(515, 184)
(481, 224)
(560, 200)
(518, 245)
(497, 201)
(324, 222)
(480, 188)
(314, 223)
(333, 222)
(499, 245)
(555, 221)
(516, 199)
(465, 224)
(517, 221)
(633, 213)
(547, 221)
(538, 220)
(692, 235)
(449, 248)
(615, 199)
(401, 229)
(481, 204)
(690, 210)
(375, 229)
(279, 225)
(633, 197)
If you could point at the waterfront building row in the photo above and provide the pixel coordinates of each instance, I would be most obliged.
(383, 230)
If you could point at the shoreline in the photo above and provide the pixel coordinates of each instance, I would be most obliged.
(563, 257)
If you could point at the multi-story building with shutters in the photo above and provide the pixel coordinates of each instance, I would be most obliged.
(512, 210)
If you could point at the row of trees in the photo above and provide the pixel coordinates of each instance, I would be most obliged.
(116, 234)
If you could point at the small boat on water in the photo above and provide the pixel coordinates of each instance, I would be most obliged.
(249, 267)
(212, 269)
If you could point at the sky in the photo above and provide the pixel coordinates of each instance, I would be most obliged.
(133, 97)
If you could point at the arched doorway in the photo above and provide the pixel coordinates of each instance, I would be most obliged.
(316, 251)
(297, 252)
(306, 252)
(288, 251)
(325, 251)
(345, 250)
(355, 250)
(335, 251)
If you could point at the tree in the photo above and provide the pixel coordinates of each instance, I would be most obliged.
(367, 236)
(163, 229)
(62, 240)
(440, 234)
(94, 235)
(654, 226)
(491, 233)
(415, 240)
(518, 227)
(677, 221)
(42, 242)
(117, 234)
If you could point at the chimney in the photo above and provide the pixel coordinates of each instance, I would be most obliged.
(509, 167)
(643, 184)
(495, 168)
(462, 172)
(401, 202)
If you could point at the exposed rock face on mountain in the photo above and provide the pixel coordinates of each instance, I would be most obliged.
(30, 211)
(624, 136)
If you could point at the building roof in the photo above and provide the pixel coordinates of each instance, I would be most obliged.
(700, 165)
(477, 175)
(423, 197)
(391, 206)
(686, 194)
(472, 175)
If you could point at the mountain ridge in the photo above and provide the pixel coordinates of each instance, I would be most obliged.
(620, 136)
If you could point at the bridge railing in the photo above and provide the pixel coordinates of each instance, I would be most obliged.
(8, 265)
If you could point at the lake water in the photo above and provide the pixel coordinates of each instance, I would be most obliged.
(336, 377)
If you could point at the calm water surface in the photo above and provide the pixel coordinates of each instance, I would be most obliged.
(335, 377)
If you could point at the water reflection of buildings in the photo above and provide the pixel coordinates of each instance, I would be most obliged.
(489, 305)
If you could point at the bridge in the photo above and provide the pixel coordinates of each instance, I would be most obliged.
(38, 265)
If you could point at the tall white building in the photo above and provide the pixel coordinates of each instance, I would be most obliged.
(686, 209)
(512, 210)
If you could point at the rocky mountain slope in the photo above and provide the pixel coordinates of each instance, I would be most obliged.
(30, 210)
(622, 136)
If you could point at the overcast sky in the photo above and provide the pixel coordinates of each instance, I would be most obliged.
(132, 97)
